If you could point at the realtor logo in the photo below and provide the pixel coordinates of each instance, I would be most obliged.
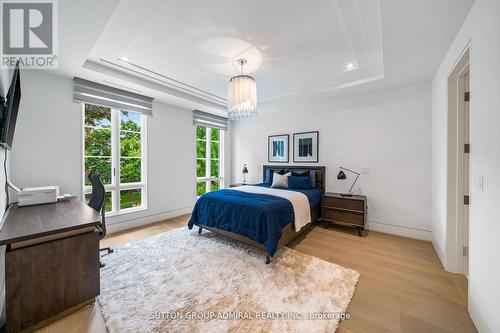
(29, 33)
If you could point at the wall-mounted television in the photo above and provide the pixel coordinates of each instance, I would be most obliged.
(9, 110)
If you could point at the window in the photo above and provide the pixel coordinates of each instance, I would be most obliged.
(209, 159)
(114, 144)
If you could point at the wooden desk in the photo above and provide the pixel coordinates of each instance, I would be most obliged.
(51, 262)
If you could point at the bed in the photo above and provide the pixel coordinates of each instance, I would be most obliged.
(258, 215)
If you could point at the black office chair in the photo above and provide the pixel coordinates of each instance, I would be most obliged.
(97, 202)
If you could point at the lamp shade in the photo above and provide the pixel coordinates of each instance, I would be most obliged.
(245, 170)
(341, 175)
(242, 97)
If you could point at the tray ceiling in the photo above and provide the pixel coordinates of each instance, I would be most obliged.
(291, 46)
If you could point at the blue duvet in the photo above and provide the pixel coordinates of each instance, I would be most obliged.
(259, 217)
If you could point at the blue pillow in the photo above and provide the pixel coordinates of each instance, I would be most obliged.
(269, 175)
(299, 182)
(306, 173)
(312, 178)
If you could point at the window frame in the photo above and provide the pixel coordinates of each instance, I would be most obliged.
(208, 160)
(115, 187)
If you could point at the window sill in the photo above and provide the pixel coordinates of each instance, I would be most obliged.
(126, 211)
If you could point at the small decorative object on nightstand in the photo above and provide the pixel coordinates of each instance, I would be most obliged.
(345, 210)
(244, 172)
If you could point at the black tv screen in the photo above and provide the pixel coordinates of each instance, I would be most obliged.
(12, 106)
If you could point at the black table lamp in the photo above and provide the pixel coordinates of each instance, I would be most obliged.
(341, 176)
(244, 172)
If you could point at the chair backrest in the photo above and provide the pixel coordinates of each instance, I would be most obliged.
(98, 198)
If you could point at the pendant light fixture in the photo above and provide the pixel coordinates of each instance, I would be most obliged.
(242, 95)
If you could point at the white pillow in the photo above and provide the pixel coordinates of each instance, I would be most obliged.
(280, 181)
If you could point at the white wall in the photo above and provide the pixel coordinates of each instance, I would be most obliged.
(4, 86)
(482, 30)
(440, 227)
(388, 132)
(47, 149)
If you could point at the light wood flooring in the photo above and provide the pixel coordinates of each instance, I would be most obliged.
(402, 288)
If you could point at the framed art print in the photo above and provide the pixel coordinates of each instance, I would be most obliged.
(277, 148)
(305, 147)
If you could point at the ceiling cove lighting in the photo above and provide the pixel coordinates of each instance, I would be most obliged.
(242, 95)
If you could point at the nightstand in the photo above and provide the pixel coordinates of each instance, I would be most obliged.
(238, 184)
(344, 210)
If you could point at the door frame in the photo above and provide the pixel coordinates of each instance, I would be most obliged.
(455, 167)
(462, 220)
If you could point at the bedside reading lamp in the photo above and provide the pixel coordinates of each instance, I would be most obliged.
(341, 176)
(244, 172)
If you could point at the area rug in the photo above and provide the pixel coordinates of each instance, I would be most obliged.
(180, 281)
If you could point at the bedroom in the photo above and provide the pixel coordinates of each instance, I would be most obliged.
(331, 99)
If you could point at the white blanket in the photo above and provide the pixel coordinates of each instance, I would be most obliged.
(299, 201)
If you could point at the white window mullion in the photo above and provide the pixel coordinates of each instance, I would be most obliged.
(221, 159)
(115, 152)
(131, 186)
(144, 154)
(83, 152)
(107, 188)
(208, 164)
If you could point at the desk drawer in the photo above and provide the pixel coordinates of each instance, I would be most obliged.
(343, 216)
(350, 204)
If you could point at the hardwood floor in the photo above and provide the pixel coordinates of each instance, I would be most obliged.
(402, 288)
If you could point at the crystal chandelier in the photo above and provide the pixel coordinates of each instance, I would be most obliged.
(242, 92)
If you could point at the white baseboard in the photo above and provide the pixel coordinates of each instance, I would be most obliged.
(478, 319)
(375, 226)
(439, 252)
(398, 230)
(148, 219)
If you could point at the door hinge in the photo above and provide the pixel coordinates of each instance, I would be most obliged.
(465, 251)
(466, 199)
(467, 148)
(467, 96)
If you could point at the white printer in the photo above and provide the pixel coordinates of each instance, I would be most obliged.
(37, 195)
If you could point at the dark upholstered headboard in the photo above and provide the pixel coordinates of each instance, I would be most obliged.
(320, 172)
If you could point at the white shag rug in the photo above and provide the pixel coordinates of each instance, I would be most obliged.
(180, 281)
